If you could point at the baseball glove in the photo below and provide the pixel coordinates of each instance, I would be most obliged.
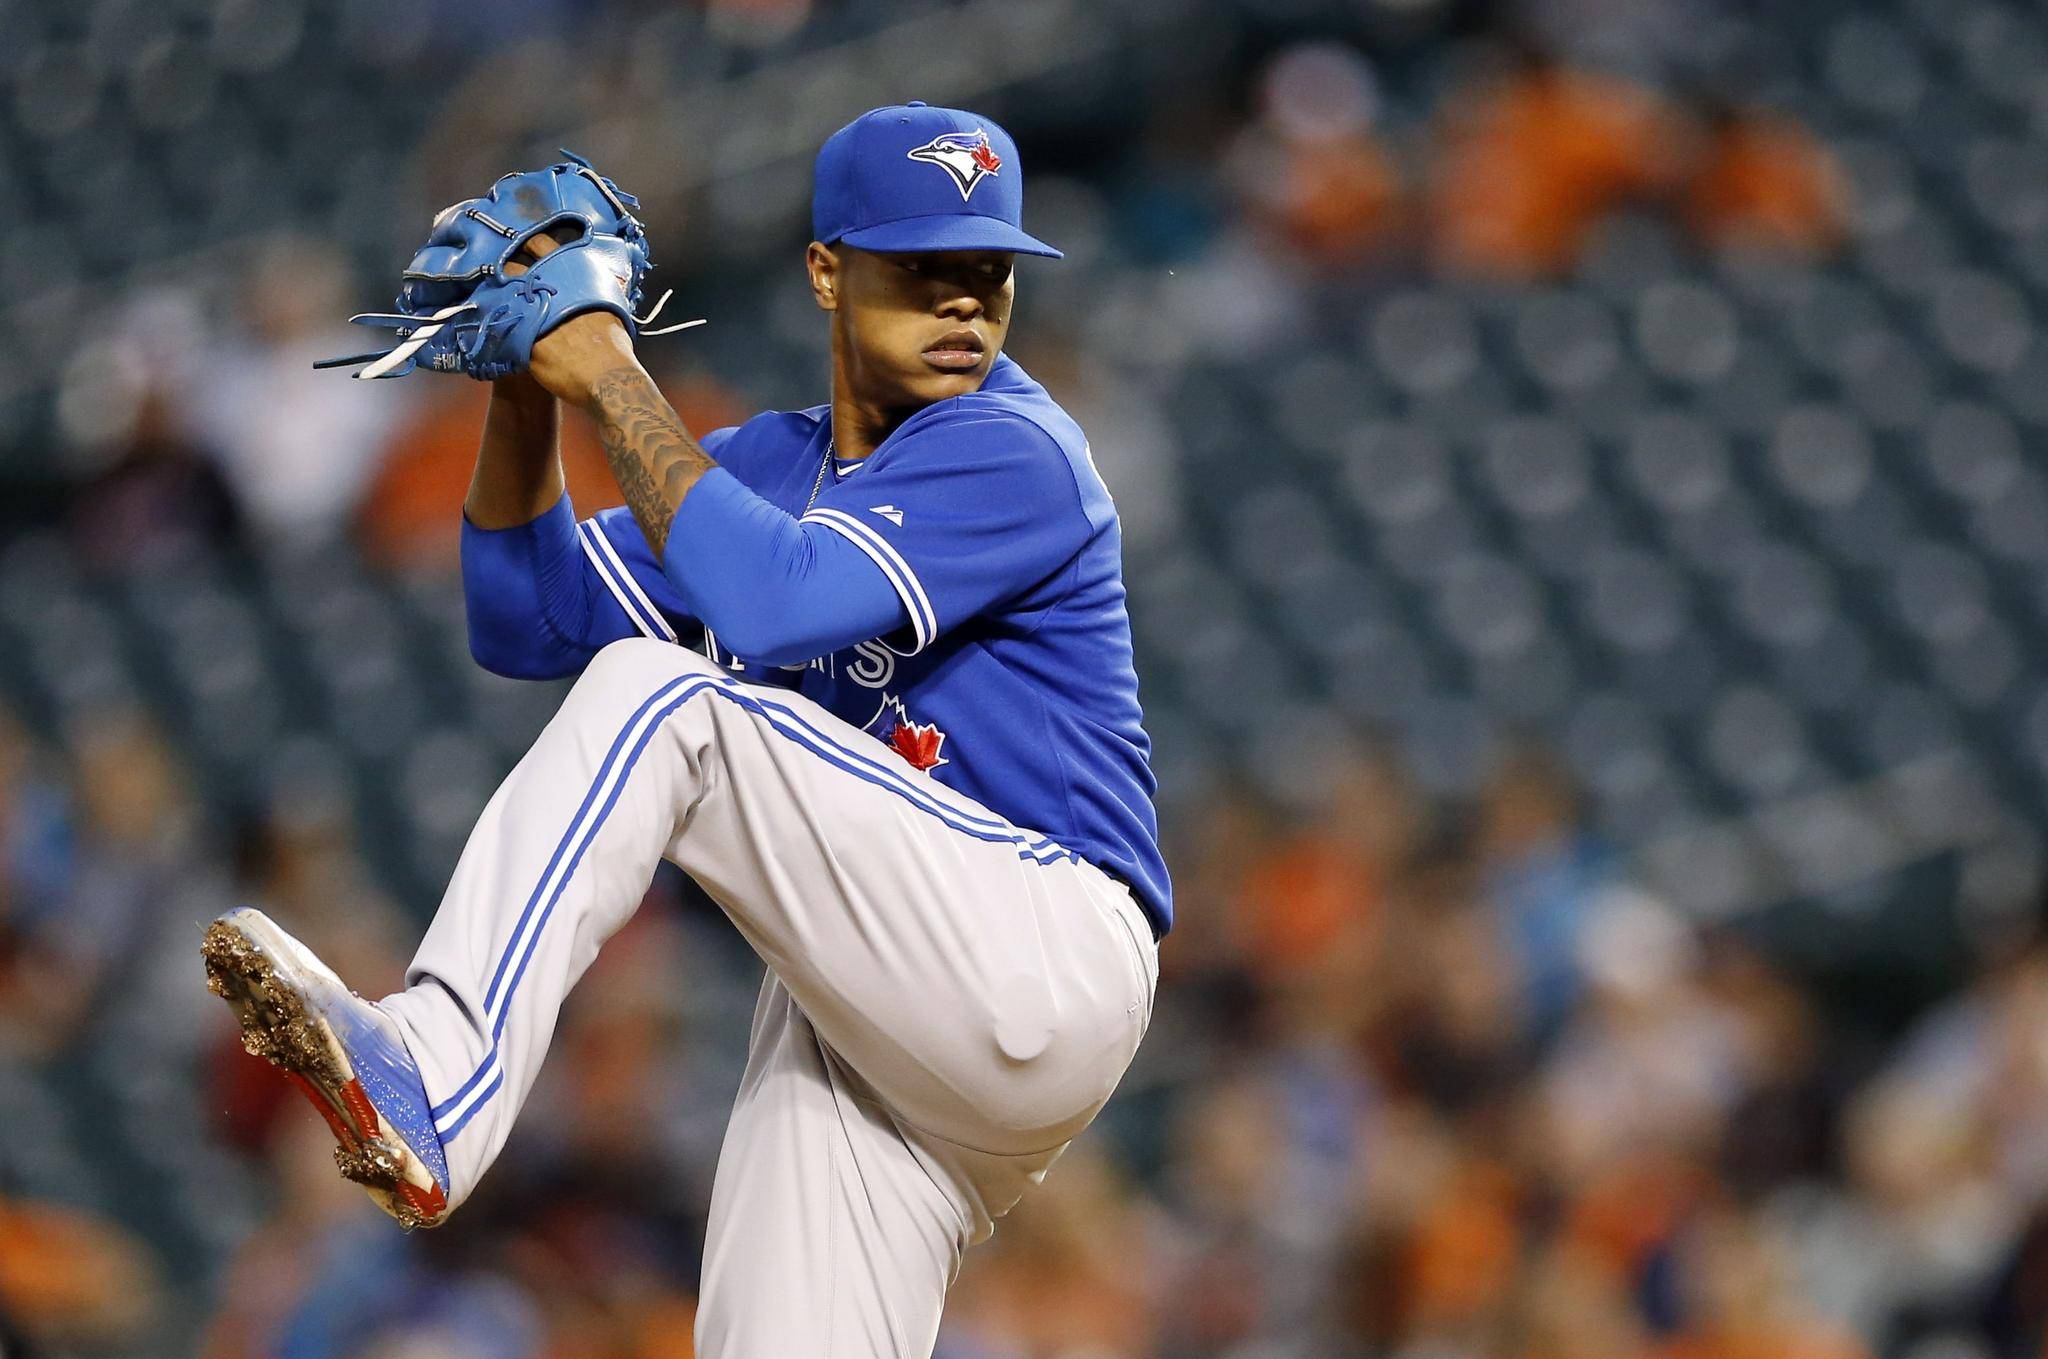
(462, 310)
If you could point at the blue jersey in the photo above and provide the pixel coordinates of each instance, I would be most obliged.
(981, 631)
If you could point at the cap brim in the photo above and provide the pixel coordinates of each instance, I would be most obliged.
(948, 231)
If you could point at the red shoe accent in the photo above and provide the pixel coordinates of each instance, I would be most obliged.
(359, 1106)
(428, 1203)
(341, 1130)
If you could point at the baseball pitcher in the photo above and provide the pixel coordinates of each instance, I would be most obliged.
(908, 760)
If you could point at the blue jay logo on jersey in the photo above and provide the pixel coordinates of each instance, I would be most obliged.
(966, 156)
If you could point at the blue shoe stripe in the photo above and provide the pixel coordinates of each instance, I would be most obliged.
(785, 722)
(382, 1065)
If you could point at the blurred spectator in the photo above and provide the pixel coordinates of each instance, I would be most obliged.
(314, 1214)
(1543, 871)
(298, 445)
(1321, 888)
(148, 490)
(1312, 165)
(1764, 182)
(72, 1282)
(1783, 1123)
(299, 862)
(134, 830)
(1456, 1029)
(38, 854)
(1739, 1302)
(161, 497)
(1571, 1310)
(1528, 161)
(1648, 1064)
(1225, 1249)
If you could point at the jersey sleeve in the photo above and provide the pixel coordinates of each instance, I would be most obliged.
(770, 588)
(963, 516)
(616, 554)
(543, 597)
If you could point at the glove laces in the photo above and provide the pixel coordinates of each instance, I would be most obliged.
(397, 357)
(655, 311)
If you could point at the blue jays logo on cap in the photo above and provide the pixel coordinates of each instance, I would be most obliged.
(913, 177)
(963, 155)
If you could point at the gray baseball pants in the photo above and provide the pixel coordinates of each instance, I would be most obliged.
(950, 999)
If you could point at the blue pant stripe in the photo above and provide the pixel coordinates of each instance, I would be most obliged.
(885, 771)
(590, 834)
(603, 772)
(482, 1100)
(568, 834)
(590, 837)
(862, 767)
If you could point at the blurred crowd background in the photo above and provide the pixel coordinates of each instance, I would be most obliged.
(1582, 467)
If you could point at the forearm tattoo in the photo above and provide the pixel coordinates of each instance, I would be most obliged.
(653, 457)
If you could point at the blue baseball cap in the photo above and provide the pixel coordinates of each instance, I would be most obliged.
(913, 177)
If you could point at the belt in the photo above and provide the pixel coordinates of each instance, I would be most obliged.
(1136, 896)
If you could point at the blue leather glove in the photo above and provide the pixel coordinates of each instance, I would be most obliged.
(459, 311)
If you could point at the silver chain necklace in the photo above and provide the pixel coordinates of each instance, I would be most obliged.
(819, 484)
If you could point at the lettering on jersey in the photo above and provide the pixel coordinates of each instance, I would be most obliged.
(722, 658)
(888, 512)
(919, 743)
(875, 667)
(965, 156)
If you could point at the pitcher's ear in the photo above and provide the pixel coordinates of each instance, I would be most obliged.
(823, 263)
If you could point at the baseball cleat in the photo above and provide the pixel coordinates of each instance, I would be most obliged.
(343, 1053)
